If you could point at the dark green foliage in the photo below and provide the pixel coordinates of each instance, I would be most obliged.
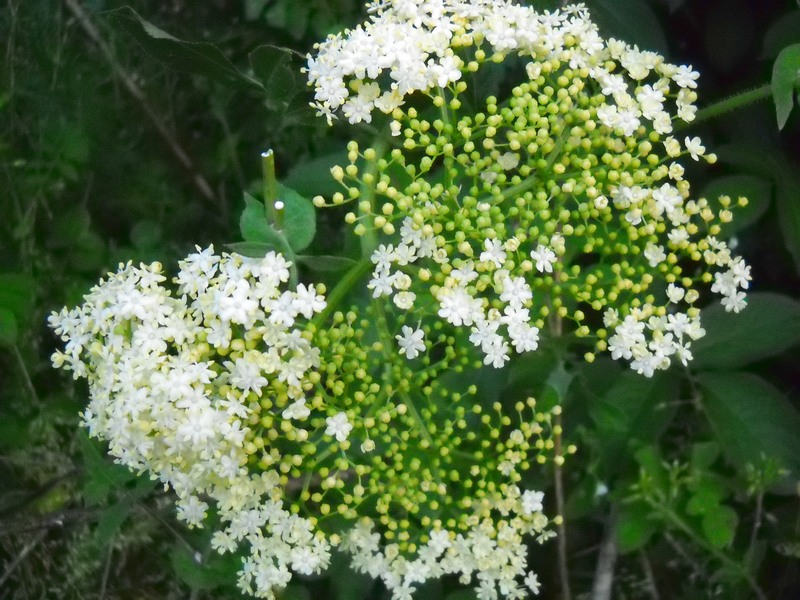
(693, 475)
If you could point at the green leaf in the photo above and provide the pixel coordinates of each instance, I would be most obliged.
(200, 573)
(271, 66)
(764, 159)
(251, 249)
(751, 420)
(102, 477)
(785, 81)
(326, 263)
(653, 469)
(147, 235)
(16, 294)
(630, 20)
(110, 522)
(299, 218)
(314, 176)
(346, 584)
(8, 327)
(704, 454)
(706, 497)
(782, 33)
(69, 228)
(768, 326)
(719, 526)
(757, 190)
(634, 527)
(634, 408)
(199, 58)
(256, 228)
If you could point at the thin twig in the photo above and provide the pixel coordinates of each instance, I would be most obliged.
(21, 556)
(603, 583)
(649, 578)
(26, 376)
(563, 571)
(757, 521)
(106, 571)
(136, 92)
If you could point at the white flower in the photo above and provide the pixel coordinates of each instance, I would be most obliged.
(694, 147)
(493, 253)
(532, 502)
(338, 426)
(297, 410)
(411, 342)
(545, 258)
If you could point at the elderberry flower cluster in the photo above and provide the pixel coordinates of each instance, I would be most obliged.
(564, 203)
(288, 434)
(175, 381)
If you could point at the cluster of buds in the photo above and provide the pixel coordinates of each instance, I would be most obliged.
(565, 202)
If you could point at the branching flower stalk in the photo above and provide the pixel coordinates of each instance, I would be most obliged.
(293, 424)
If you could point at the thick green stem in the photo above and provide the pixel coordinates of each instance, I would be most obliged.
(730, 104)
(342, 288)
(272, 203)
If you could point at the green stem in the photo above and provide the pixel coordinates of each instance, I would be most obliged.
(730, 104)
(369, 241)
(683, 526)
(342, 288)
(273, 205)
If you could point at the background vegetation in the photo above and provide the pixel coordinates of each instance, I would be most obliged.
(117, 143)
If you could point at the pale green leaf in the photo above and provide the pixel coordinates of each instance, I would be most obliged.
(757, 190)
(785, 81)
(752, 421)
(769, 325)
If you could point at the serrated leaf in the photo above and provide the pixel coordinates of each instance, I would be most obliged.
(634, 527)
(256, 228)
(299, 218)
(769, 325)
(200, 573)
(110, 522)
(785, 82)
(331, 264)
(630, 20)
(752, 420)
(101, 477)
(199, 58)
(757, 190)
(719, 526)
(634, 408)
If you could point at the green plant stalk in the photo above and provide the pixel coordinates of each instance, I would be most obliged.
(675, 519)
(730, 104)
(346, 283)
(369, 241)
(272, 204)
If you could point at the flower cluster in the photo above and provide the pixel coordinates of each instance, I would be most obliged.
(233, 393)
(177, 383)
(565, 201)
(427, 44)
